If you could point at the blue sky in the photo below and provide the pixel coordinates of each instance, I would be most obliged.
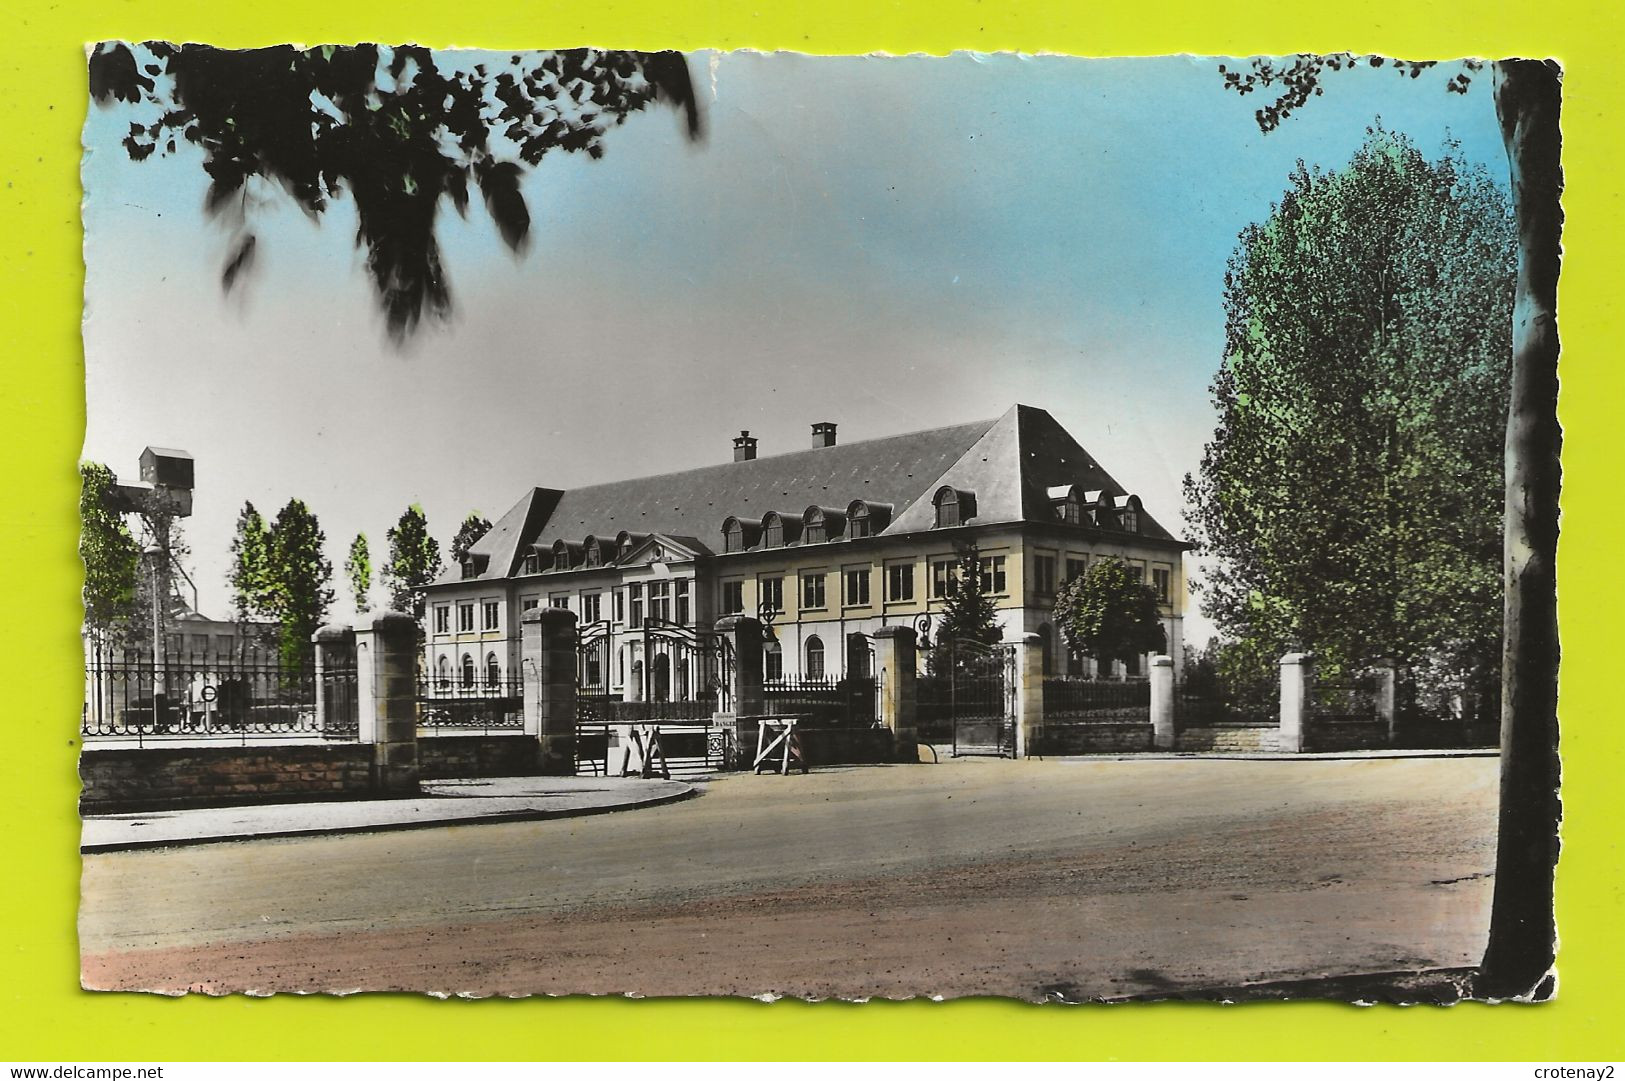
(889, 243)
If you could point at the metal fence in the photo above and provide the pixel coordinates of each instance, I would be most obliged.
(479, 705)
(220, 697)
(842, 703)
(1095, 699)
(1348, 698)
(603, 709)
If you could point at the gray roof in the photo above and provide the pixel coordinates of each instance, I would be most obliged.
(1008, 462)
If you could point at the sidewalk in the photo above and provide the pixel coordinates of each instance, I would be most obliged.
(444, 803)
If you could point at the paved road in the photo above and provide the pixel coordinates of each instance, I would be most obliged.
(1028, 879)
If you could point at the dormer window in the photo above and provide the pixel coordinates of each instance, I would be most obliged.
(561, 558)
(733, 537)
(814, 530)
(470, 568)
(592, 556)
(773, 532)
(954, 506)
(858, 523)
(1128, 514)
(533, 563)
(1067, 504)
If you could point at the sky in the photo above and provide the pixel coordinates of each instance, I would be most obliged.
(888, 243)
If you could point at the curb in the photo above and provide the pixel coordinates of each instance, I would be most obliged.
(537, 815)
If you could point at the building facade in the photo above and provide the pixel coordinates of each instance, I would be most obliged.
(827, 545)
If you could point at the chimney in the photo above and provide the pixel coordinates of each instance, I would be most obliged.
(744, 447)
(823, 434)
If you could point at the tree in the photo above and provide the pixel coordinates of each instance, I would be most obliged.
(1351, 492)
(1528, 96)
(390, 127)
(358, 570)
(414, 562)
(473, 528)
(968, 614)
(110, 553)
(1109, 614)
(298, 580)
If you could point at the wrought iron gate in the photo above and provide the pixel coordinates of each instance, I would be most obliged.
(967, 699)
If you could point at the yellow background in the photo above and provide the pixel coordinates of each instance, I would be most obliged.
(44, 1016)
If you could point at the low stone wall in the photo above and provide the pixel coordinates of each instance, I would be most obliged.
(1119, 736)
(1345, 735)
(511, 755)
(136, 779)
(822, 746)
(1230, 739)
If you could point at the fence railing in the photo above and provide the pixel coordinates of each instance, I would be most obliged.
(842, 703)
(1350, 698)
(480, 705)
(217, 697)
(602, 709)
(1095, 699)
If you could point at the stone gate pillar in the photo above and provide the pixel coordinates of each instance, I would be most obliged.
(1162, 703)
(335, 659)
(1297, 675)
(744, 635)
(1028, 693)
(548, 674)
(386, 654)
(1388, 697)
(895, 668)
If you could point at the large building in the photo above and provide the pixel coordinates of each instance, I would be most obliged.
(829, 543)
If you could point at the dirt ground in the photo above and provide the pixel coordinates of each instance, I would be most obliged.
(1070, 879)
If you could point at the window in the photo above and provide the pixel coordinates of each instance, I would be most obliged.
(856, 584)
(944, 578)
(533, 564)
(1043, 574)
(900, 582)
(858, 523)
(773, 532)
(815, 658)
(591, 556)
(947, 508)
(1159, 581)
(812, 590)
(442, 672)
(561, 557)
(620, 606)
(529, 604)
(733, 598)
(770, 594)
(591, 608)
(772, 664)
(469, 569)
(489, 613)
(681, 585)
(493, 670)
(660, 601)
(559, 600)
(634, 596)
(442, 619)
(992, 574)
(468, 670)
(1071, 513)
(1075, 567)
(733, 536)
(1129, 520)
(465, 617)
(813, 529)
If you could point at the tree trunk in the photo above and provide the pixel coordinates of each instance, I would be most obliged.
(1522, 933)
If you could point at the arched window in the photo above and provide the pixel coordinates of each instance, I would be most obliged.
(561, 556)
(1128, 514)
(468, 671)
(533, 563)
(442, 671)
(813, 530)
(858, 520)
(954, 506)
(592, 556)
(815, 658)
(857, 656)
(493, 670)
(773, 531)
(733, 536)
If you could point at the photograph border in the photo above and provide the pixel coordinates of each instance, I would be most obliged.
(42, 392)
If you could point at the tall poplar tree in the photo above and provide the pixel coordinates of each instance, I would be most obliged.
(358, 571)
(414, 562)
(299, 577)
(110, 553)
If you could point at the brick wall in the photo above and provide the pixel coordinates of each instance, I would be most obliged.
(1324, 735)
(479, 756)
(1230, 739)
(1096, 737)
(155, 777)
